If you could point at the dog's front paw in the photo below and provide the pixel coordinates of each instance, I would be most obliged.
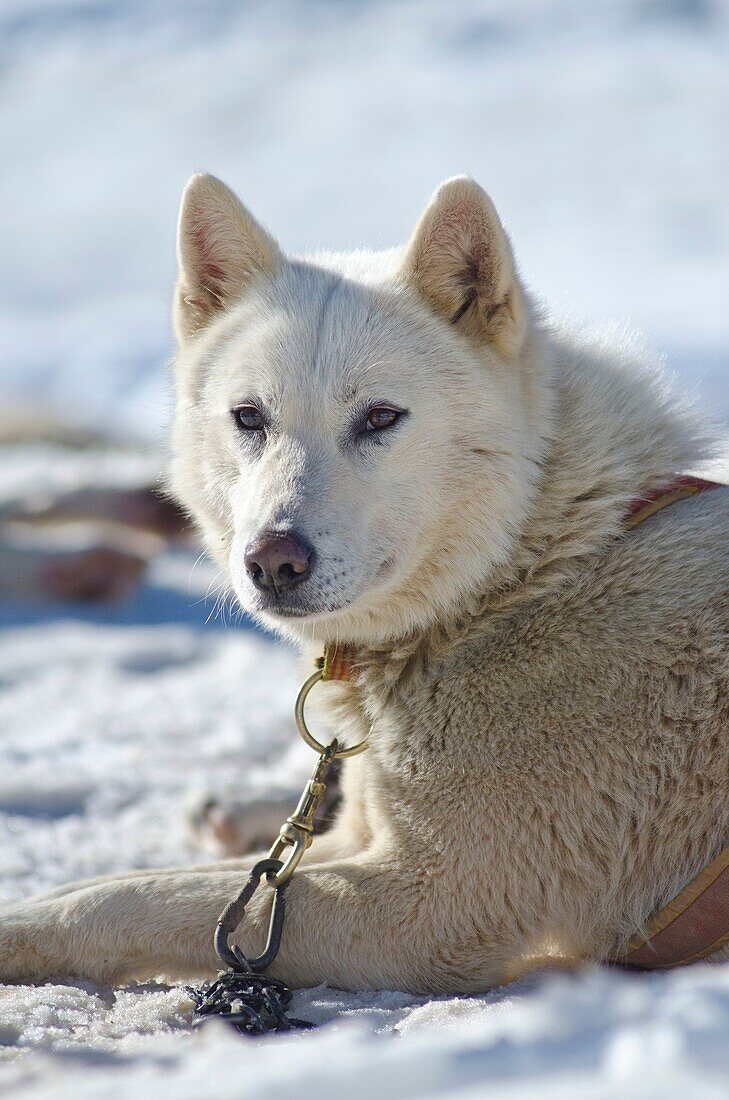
(24, 954)
(48, 938)
(233, 828)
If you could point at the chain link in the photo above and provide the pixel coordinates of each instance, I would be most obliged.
(242, 995)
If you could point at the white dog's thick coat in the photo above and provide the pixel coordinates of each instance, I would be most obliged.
(549, 760)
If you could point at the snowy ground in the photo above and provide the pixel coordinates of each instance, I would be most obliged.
(95, 772)
(95, 775)
(599, 126)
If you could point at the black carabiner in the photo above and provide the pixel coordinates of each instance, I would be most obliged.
(232, 915)
(252, 1002)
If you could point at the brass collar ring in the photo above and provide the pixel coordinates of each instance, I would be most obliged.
(299, 715)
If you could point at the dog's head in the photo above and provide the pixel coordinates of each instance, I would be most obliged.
(356, 435)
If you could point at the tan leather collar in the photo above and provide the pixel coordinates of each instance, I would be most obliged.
(337, 662)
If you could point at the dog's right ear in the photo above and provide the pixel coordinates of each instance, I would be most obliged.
(221, 248)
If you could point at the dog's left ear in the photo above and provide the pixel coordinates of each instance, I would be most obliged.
(460, 260)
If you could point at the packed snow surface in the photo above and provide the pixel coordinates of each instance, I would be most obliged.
(108, 732)
(599, 127)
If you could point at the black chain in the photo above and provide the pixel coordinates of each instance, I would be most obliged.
(251, 1003)
(242, 995)
(248, 1000)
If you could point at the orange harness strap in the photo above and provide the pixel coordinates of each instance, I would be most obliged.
(696, 922)
(691, 927)
(658, 499)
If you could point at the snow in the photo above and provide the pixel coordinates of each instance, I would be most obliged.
(599, 127)
(596, 1035)
(96, 773)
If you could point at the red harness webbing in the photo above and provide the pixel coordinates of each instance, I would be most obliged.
(694, 924)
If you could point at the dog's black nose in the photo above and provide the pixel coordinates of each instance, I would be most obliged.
(277, 561)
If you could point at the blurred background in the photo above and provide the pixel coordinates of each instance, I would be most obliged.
(600, 128)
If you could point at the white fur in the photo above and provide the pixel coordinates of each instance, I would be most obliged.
(548, 758)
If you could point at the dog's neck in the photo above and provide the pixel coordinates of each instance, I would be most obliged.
(616, 433)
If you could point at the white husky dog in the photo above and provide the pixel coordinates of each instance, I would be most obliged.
(397, 451)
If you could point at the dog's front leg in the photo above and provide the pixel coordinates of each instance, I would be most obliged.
(143, 925)
(375, 921)
(357, 923)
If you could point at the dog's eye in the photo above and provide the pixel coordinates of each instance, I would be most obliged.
(249, 418)
(381, 417)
